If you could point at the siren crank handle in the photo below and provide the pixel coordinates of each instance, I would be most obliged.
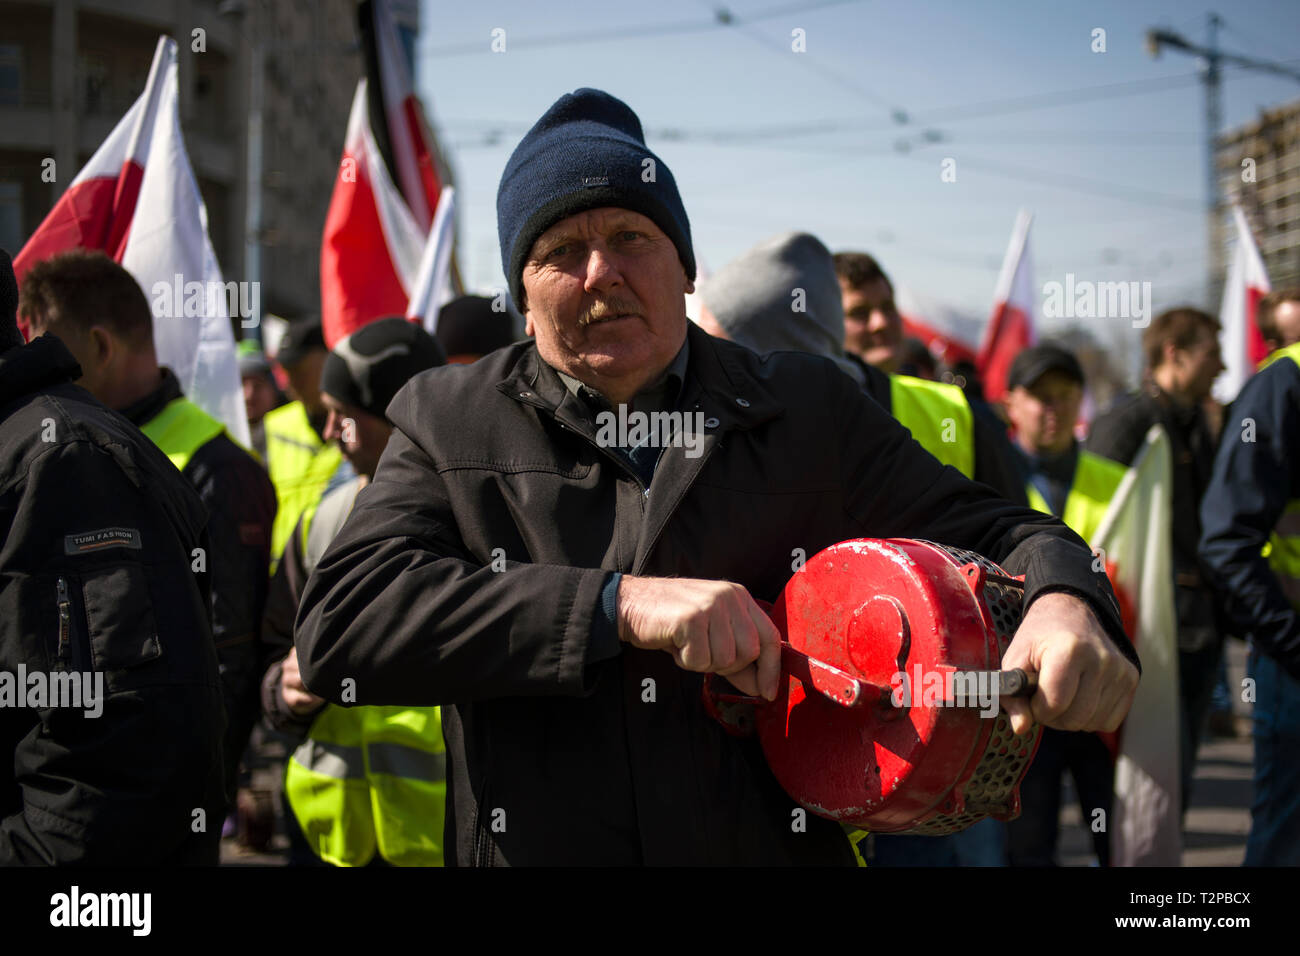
(1017, 683)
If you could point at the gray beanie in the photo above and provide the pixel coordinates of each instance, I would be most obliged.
(782, 295)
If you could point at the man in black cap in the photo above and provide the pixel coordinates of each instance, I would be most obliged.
(566, 590)
(1044, 392)
(471, 326)
(98, 533)
(330, 815)
(303, 465)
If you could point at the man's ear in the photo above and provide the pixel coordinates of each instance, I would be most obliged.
(103, 346)
(528, 325)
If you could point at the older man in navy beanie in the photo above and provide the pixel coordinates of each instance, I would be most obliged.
(563, 585)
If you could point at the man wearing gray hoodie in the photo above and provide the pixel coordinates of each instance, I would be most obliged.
(783, 295)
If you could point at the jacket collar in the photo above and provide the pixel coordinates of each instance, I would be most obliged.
(141, 412)
(40, 364)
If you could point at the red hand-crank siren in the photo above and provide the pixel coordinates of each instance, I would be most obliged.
(850, 739)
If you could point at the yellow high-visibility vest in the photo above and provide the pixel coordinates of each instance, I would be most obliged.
(1095, 482)
(938, 416)
(367, 780)
(371, 780)
(1283, 547)
(300, 465)
(181, 429)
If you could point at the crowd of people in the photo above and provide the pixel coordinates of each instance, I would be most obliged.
(433, 579)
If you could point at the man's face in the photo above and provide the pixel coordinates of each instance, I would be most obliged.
(304, 384)
(1287, 319)
(873, 329)
(259, 397)
(604, 295)
(1044, 414)
(1196, 368)
(360, 435)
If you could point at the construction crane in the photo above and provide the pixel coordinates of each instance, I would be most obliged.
(1212, 60)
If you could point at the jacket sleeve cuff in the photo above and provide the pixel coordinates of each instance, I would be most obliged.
(604, 625)
(1054, 565)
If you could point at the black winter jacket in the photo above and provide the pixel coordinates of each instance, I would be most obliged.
(87, 500)
(1118, 435)
(556, 755)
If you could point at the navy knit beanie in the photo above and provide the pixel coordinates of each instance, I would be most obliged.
(586, 151)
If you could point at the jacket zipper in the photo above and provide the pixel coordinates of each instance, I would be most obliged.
(65, 623)
(658, 532)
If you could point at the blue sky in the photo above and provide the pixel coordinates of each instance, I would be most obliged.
(1116, 182)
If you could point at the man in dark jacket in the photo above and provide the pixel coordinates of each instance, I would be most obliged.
(531, 569)
(98, 534)
(1251, 545)
(1182, 356)
(100, 313)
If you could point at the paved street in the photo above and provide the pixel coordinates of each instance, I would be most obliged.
(1219, 816)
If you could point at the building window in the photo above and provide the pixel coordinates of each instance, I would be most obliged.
(11, 216)
(94, 84)
(11, 74)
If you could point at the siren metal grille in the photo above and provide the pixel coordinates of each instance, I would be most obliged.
(989, 789)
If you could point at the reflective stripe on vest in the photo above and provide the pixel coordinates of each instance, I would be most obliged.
(1283, 547)
(300, 465)
(1095, 482)
(938, 416)
(371, 780)
(181, 429)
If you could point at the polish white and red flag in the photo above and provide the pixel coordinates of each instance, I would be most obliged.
(386, 193)
(137, 201)
(1134, 544)
(1240, 340)
(946, 331)
(433, 287)
(1011, 327)
(370, 251)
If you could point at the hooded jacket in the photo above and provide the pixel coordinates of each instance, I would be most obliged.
(470, 572)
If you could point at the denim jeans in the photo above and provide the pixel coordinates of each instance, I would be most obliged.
(984, 844)
(1275, 814)
(1197, 673)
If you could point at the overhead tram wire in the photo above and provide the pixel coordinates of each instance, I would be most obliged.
(627, 33)
(955, 113)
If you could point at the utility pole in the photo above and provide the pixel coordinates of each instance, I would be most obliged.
(1212, 60)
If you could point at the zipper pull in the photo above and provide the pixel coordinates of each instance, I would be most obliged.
(65, 622)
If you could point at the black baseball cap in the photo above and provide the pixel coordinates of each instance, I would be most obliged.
(469, 326)
(1033, 363)
(301, 337)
